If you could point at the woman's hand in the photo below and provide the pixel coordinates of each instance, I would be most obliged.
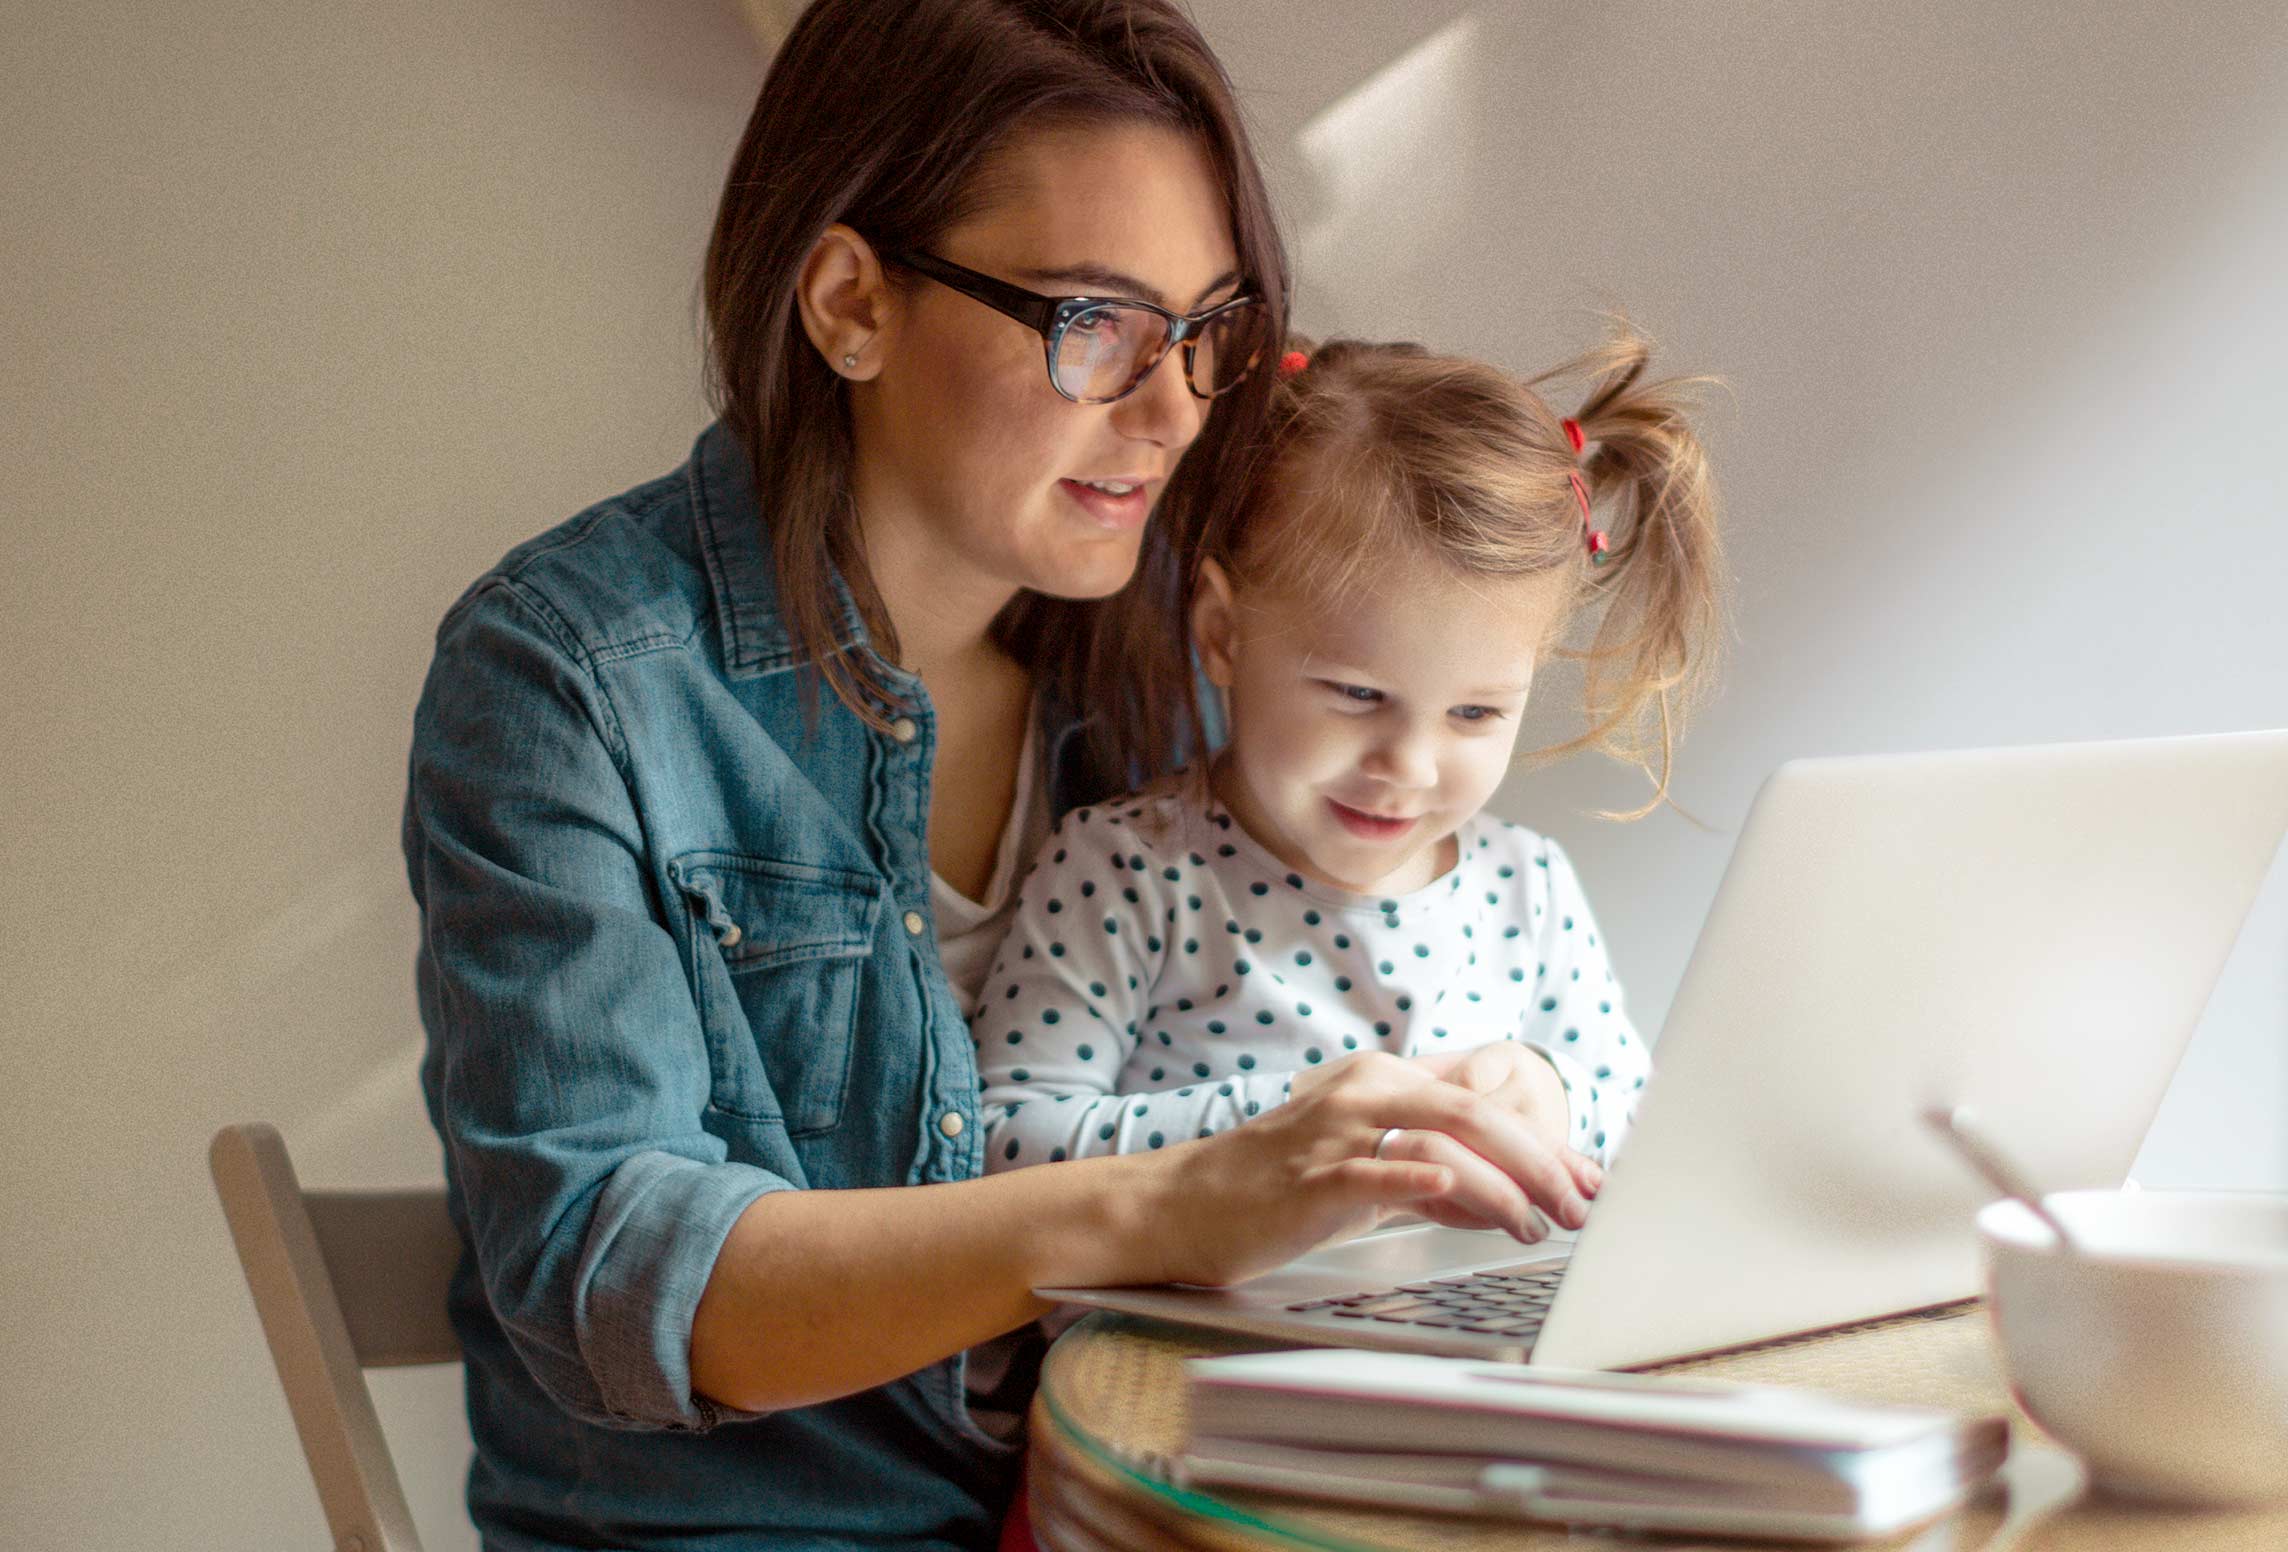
(1225, 1208)
(1520, 1080)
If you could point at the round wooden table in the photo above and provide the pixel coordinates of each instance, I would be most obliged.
(1109, 1421)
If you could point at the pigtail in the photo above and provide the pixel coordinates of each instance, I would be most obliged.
(1657, 595)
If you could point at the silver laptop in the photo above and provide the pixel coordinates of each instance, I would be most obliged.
(2031, 932)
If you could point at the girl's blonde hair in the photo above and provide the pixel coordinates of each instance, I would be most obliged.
(1375, 452)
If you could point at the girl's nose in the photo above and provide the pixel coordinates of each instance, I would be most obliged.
(1405, 758)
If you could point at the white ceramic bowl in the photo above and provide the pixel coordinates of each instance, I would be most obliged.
(2161, 1354)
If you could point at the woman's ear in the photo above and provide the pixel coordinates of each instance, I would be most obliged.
(1215, 624)
(844, 297)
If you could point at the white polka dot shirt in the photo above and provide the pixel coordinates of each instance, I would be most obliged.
(1165, 978)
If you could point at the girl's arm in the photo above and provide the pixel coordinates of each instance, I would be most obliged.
(1065, 1070)
(1576, 1017)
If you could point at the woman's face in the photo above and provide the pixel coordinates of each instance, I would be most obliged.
(972, 471)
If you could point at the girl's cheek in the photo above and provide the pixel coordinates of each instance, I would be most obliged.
(1329, 742)
(1491, 768)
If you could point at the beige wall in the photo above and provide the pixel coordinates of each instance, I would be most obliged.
(311, 312)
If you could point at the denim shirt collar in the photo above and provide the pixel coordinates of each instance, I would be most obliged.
(740, 572)
(755, 638)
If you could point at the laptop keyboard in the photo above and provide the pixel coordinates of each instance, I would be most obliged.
(1510, 1303)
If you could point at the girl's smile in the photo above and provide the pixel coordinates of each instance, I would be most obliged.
(1374, 827)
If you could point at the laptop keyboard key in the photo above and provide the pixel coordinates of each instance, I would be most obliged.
(1502, 1303)
(1387, 1304)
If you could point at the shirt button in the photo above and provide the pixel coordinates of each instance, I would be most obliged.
(903, 730)
(914, 923)
(950, 1123)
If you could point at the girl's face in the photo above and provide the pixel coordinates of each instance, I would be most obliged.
(1363, 736)
(971, 467)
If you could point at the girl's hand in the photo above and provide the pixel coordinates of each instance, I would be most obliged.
(1225, 1208)
(1523, 1081)
(1514, 1076)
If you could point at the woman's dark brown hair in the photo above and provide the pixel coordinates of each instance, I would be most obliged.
(880, 114)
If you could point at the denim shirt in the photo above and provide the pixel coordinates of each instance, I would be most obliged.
(676, 952)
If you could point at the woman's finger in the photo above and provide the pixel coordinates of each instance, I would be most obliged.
(1391, 1182)
(1481, 1195)
(1499, 1137)
(1587, 1174)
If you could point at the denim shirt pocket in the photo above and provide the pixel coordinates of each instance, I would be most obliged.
(778, 949)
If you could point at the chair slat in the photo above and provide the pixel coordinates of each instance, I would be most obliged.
(391, 1256)
(310, 1342)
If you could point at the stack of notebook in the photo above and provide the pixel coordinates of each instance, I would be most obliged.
(1622, 1451)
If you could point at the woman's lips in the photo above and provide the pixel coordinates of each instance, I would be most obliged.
(1371, 827)
(1118, 513)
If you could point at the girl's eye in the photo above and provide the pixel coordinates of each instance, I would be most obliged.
(1357, 694)
(1477, 713)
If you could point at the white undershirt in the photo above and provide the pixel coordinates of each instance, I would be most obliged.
(969, 934)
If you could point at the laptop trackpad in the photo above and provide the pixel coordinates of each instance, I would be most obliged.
(1413, 1252)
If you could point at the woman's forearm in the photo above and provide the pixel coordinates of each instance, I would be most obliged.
(817, 1294)
(1049, 1128)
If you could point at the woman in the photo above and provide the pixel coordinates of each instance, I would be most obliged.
(713, 786)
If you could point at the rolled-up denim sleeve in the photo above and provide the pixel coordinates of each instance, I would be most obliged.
(567, 1070)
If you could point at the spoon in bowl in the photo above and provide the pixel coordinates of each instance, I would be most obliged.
(1959, 1127)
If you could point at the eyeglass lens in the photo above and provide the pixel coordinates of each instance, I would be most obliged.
(1105, 351)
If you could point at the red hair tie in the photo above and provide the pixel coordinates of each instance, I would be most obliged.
(1292, 362)
(1598, 543)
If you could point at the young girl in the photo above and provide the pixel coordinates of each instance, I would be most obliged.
(1417, 536)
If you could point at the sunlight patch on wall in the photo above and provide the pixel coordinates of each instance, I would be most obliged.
(1392, 160)
(374, 1132)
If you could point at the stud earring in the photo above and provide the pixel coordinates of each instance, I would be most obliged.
(849, 361)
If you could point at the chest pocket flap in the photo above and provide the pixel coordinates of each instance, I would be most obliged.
(778, 957)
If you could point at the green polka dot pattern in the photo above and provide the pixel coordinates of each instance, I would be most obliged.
(1235, 971)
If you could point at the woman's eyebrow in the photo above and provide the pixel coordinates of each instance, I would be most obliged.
(1099, 279)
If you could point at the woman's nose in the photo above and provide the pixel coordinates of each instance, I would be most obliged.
(1163, 408)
